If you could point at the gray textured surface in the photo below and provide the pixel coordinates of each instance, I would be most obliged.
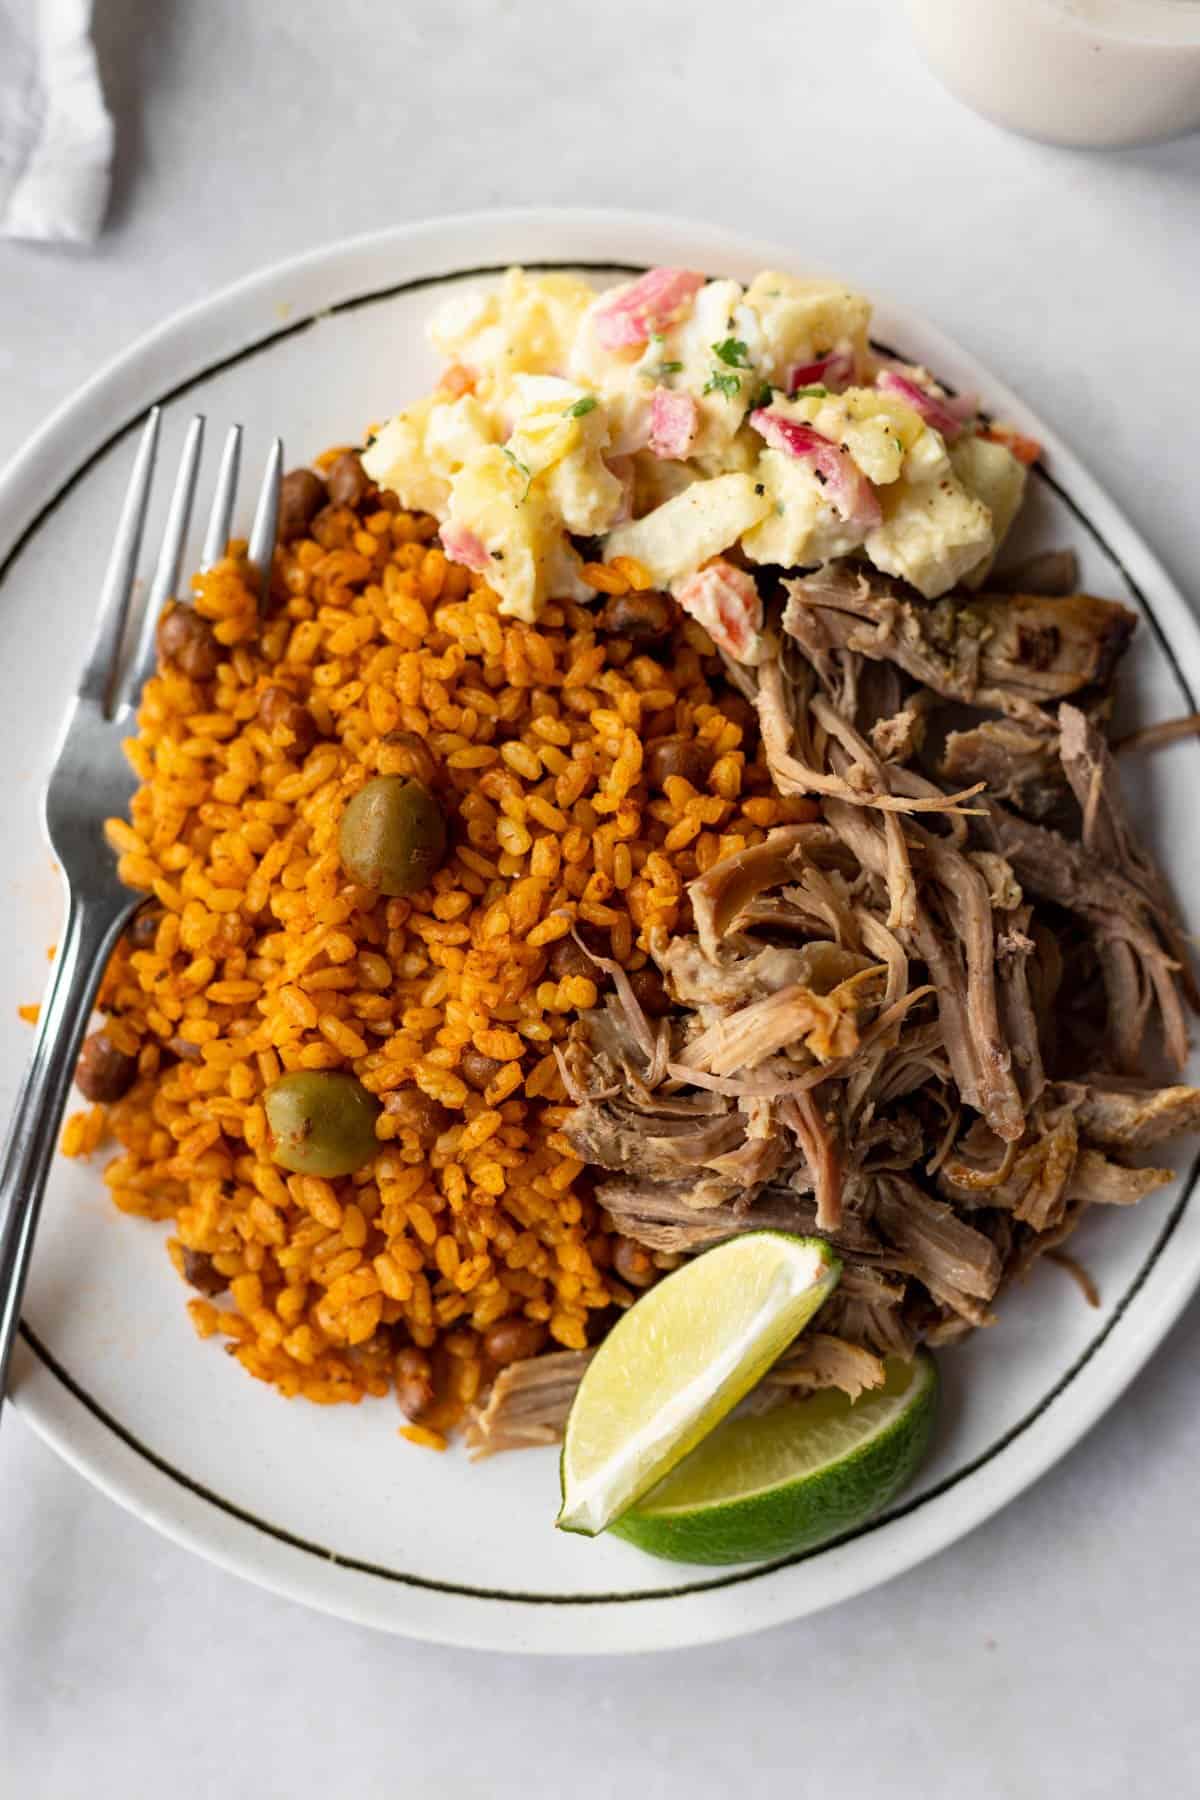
(1054, 1651)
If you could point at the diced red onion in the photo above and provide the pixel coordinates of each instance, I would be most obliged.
(462, 546)
(834, 371)
(946, 413)
(847, 488)
(674, 421)
(656, 299)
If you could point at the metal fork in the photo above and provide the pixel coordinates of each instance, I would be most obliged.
(90, 782)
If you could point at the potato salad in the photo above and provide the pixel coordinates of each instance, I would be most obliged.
(702, 429)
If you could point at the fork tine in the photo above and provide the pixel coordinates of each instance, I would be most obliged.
(265, 528)
(220, 519)
(164, 583)
(97, 679)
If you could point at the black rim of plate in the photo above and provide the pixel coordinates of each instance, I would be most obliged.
(681, 1590)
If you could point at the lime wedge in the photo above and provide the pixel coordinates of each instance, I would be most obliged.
(679, 1361)
(792, 1478)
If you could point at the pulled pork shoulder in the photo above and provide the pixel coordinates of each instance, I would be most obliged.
(934, 1027)
(1016, 763)
(1010, 653)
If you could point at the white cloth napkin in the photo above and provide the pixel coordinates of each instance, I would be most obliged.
(56, 135)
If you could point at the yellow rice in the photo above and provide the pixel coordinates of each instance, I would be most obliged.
(267, 959)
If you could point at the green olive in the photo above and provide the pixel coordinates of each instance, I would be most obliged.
(392, 835)
(322, 1123)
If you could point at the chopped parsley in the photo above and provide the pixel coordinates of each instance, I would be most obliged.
(588, 404)
(524, 469)
(731, 350)
(720, 383)
(815, 392)
(658, 371)
(764, 396)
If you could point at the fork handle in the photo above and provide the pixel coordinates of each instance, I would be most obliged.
(89, 935)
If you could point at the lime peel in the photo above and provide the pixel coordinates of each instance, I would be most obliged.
(788, 1480)
(679, 1361)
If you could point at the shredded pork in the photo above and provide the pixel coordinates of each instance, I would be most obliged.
(935, 1026)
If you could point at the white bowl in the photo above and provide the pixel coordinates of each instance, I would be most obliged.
(1085, 73)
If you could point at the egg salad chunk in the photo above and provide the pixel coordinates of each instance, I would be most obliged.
(716, 348)
(495, 508)
(520, 500)
(683, 533)
(933, 531)
(560, 437)
(993, 474)
(701, 347)
(418, 453)
(800, 322)
(877, 430)
(624, 377)
(676, 418)
(802, 527)
(524, 326)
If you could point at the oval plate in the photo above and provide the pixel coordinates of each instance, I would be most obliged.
(329, 1506)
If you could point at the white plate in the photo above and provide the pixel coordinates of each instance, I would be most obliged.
(329, 1506)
